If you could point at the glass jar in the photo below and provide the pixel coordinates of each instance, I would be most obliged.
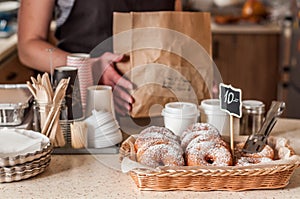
(253, 115)
(41, 111)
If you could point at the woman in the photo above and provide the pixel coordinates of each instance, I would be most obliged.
(81, 26)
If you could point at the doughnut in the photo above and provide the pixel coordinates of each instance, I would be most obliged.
(154, 133)
(162, 130)
(245, 161)
(202, 135)
(200, 127)
(158, 146)
(267, 152)
(207, 153)
(218, 140)
(160, 153)
(204, 130)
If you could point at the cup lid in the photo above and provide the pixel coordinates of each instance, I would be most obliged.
(253, 106)
(180, 108)
(252, 103)
(211, 103)
(212, 106)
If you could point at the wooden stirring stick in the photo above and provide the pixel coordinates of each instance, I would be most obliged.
(58, 97)
(34, 81)
(59, 136)
(46, 83)
(31, 89)
(43, 93)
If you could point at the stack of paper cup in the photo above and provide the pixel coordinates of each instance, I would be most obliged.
(103, 130)
(83, 63)
(99, 97)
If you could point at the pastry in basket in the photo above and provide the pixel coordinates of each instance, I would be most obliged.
(203, 146)
(158, 146)
(154, 133)
(214, 152)
(244, 159)
(203, 130)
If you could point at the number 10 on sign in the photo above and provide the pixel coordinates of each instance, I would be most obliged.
(230, 102)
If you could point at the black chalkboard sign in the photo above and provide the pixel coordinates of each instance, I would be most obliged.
(230, 100)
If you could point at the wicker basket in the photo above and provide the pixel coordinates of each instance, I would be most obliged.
(230, 178)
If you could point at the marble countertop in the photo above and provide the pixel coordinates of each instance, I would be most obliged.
(98, 176)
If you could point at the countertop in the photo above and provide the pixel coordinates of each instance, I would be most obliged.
(98, 176)
(246, 28)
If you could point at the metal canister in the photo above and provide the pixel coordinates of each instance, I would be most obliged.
(252, 116)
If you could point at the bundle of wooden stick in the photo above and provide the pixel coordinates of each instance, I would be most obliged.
(49, 103)
(79, 135)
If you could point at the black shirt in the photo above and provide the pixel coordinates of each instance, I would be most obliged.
(90, 22)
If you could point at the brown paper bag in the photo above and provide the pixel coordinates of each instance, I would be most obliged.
(169, 57)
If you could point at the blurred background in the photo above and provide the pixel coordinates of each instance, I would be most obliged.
(256, 47)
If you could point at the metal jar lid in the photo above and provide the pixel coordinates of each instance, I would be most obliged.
(253, 107)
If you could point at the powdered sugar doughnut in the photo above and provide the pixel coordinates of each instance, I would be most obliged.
(154, 133)
(245, 161)
(267, 152)
(157, 129)
(160, 153)
(203, 135)
(200, 139)
(208, 153)
(201, 127)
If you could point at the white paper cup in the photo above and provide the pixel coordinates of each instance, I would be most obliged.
(179, 115)
(99, 97)
(210, 112)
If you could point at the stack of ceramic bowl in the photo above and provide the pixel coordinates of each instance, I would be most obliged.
(83, 63)
(23, 154)
(103, 130)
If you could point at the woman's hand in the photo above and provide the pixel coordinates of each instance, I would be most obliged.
(105, 71)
